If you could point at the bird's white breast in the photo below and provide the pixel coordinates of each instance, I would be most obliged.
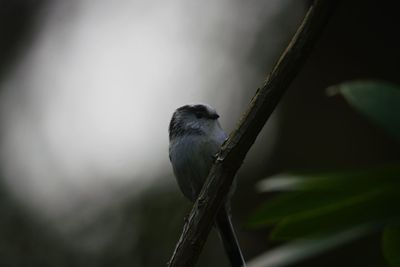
(191, 157)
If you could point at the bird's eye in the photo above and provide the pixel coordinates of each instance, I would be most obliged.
(199, 115)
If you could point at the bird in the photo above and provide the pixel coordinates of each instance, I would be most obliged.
(195, 136)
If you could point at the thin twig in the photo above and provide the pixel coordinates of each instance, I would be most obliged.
(234, 150)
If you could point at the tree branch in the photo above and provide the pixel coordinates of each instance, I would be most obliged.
(234, 150)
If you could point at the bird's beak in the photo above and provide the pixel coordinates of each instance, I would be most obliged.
(214, 116)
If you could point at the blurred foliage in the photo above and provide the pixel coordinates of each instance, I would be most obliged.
(320, 207)
(391, 244)
(378, 101)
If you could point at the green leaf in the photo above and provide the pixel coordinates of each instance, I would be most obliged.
(372, 208)
(379, 101)
(320, 204)
(391, 245)
(295, 251)
(324, 193)
(356, 180)
(291, 204)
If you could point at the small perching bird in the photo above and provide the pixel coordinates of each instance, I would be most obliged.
(195, 136)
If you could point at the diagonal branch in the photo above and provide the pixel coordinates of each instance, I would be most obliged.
(234, 150)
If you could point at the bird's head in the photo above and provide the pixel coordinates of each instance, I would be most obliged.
(197, 119)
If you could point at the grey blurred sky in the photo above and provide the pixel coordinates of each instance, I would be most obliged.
(86, 109)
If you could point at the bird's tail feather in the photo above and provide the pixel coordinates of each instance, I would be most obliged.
(228, 236)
